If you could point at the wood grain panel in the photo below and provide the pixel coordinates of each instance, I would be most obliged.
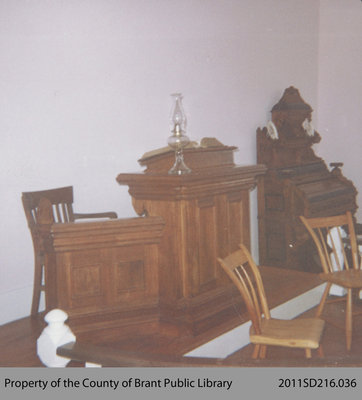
(85, 281)
(130, 276)
(105, 267)
(207, 245)
(235, 220)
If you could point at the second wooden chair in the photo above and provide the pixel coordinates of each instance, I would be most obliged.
(340, 267)
(304, 333)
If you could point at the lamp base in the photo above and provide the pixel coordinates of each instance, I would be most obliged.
(179, 167)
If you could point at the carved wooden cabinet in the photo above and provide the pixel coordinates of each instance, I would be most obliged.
(297, 183)
(206, 216)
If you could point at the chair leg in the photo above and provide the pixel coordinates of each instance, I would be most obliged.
(349, 320)
(38, 275)
(323, 299)
(320, 351)
(263, 351)
(308, 353)
(256, 350)
(259, 351)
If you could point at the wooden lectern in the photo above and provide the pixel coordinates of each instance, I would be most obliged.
(206, 216)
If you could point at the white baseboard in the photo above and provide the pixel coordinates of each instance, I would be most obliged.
(231, 341)
(337, 290)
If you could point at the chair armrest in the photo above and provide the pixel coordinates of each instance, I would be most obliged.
(108, 214)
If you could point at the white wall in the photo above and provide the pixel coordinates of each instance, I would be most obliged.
(85, 88)
(340, 87)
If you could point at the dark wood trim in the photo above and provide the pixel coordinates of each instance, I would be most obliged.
(111, 357)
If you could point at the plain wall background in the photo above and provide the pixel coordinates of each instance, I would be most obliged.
(340, 87)
(86, 84)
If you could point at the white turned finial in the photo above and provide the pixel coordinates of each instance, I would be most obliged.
(54, 335)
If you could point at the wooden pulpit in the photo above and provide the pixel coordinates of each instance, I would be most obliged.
(206, 215)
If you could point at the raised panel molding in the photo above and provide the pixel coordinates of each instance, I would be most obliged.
(207, 229)
(85, 281)
(130, 276)
(105, 269)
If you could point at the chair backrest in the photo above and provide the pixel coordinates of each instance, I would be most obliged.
(60, 198)
(330, 235)
(243, 271)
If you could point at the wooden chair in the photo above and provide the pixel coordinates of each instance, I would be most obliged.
(61, 200)
(339, 266)
(265, 331)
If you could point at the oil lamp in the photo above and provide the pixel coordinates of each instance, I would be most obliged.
(178, 140)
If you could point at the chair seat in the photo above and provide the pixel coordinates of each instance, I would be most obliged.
(300, 333)
(351, 278)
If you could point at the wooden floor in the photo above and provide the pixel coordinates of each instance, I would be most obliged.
(18, 338)
(333, 342)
